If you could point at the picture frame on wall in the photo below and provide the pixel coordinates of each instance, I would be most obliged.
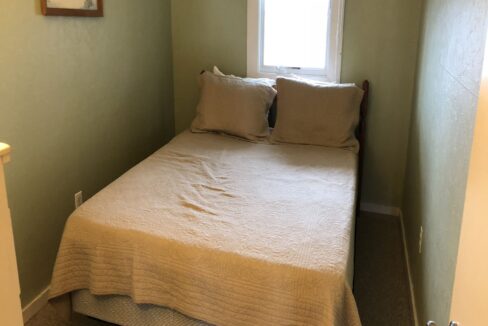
(83, 8)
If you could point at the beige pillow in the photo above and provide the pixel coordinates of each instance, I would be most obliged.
(266, 81)
(234, 106)
(317, 114)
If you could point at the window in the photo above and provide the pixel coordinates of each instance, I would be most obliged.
(301, 37)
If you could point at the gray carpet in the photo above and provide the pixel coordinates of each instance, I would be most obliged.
(380, 280)
(380, 283)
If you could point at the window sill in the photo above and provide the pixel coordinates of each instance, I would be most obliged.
(272, 75)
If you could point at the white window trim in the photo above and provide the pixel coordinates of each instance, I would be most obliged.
(334, 58)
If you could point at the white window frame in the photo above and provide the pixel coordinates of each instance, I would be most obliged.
(255, 66)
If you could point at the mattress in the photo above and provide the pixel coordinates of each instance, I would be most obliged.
(224, 231)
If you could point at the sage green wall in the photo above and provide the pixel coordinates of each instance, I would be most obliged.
(450, 63)
(205, 33)
(380, 44)
(81, 101)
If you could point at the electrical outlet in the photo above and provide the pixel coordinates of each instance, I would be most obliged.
(421, 238)
(78, 199)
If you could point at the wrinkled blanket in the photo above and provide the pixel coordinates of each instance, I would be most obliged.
(225, 231)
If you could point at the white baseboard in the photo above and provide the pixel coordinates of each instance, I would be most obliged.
(409, 272)
(380, 209)
(35, 305)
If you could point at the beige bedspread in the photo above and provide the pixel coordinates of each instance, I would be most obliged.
(222, 230)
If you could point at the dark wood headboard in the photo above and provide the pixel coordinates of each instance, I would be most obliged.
(361, 136)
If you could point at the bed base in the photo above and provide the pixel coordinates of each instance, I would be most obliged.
(121, 310)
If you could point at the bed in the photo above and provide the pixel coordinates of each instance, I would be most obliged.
(214, 230)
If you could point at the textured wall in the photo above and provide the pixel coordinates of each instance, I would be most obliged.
(472, 265)
(380, 43)
(81, 101)
(449, 74)
(205, 33)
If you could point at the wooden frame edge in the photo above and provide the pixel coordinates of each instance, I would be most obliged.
(361, 134)
(72, 12)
